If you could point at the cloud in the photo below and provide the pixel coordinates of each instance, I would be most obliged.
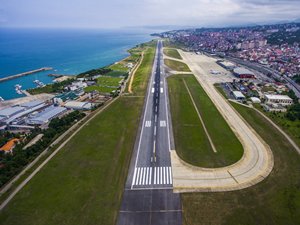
(119, 13)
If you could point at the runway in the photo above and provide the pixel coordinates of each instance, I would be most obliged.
(148, 197)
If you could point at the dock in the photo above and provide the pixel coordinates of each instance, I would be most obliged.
(25, 73)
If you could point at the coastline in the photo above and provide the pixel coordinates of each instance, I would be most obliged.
(100, 48)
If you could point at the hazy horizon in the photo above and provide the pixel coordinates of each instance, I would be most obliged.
(144, 13)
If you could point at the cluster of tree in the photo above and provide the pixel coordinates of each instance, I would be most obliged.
(94, 72)
(297, 79)
(51, 88)
(294, 112)
(6, 136)
(12, 164)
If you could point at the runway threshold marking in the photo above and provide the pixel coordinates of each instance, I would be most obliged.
(144, 177)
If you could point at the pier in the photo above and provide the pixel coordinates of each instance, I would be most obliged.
(25, 73)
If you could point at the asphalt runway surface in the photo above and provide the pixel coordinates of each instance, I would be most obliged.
(148, 197)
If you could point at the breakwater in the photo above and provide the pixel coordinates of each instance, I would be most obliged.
(25, 73)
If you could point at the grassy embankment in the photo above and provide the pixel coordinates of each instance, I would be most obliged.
(83, 183)
(292, 128)
(191, 141)
(276, 200)
(173, 53)
(176, 65)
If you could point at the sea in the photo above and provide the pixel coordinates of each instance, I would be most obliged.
(67, 51)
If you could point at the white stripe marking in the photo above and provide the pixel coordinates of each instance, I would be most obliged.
(160, 175)
(144, 174)
(164, 175)
(141, 176)
(150, 177)
(152, 90)
(171, 178)
(137, 177)
(154, 175)
(134, 174)
(167, 171)
(147, 176)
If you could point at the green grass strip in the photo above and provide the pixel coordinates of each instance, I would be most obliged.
(177, 66)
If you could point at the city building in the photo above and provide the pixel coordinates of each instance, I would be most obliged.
(255, 100)
(9, 146)
(278, 99)
(227, 65)
(238, 95)
(243, 73)
(46, 115)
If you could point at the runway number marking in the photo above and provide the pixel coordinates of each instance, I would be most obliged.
(143, 176)
(163, 123)
(148, 123)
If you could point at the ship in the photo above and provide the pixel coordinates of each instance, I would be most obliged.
(1, 99)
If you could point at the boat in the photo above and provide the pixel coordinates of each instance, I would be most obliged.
(39, 83)
(18, 89)
(1, 99)
(18, 86)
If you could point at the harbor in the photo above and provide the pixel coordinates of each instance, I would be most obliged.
(25, 73)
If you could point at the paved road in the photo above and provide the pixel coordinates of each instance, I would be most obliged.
(148, 197)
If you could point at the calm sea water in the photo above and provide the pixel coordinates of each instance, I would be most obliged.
(67, 51)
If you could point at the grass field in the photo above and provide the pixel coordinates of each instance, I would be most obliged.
(274, 201)
(109, 81)
(191, 141)
(119, 67)
(177, 66)
(115, 73)
(83, 183)
(172, 53)
(141, 76)
(101, 89)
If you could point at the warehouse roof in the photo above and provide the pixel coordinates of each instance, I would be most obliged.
(241, 70)
(278, 97)
(238, 94)
(78, 105)
(49, 113)
(31, 104)
(11, 110)
(9, 145)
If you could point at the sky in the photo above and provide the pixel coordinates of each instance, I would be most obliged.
(135, 13)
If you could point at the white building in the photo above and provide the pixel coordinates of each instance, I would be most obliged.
(238, 95)
(79, 105)
(255, 100)
(278, 99)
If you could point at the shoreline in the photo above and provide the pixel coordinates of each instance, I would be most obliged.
(22, 99)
